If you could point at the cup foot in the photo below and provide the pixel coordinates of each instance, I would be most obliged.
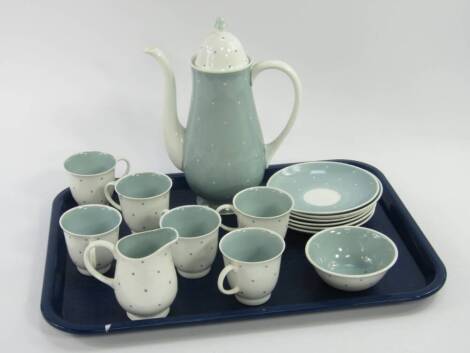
(253, 302)
(212, 204)
(194, 275)
(100, 270)
(159, 315)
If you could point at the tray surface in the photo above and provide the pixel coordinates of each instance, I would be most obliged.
(79, 304)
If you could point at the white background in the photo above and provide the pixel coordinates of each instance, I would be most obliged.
(385, 82)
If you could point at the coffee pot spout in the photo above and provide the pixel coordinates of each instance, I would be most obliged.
(173, 130)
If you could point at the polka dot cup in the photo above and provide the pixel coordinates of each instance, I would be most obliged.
(145, 282)
(260, 206)
(252, 258)
(142, 199)
(198, 235)
(83, 225)
(89, 172)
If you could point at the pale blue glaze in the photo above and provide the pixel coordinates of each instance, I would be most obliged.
(224, 150)
(89, 163)
(143, 185)
(143, 244)
(252, 245)
(191, 220)
(263, 202)
(351, 250)
(90, 220)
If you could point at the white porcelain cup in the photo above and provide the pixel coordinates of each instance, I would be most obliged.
(145, 281)
(89, 172)
(252, 258)
(260, 206)
(142, 199)
(86, 224)
(198, 235)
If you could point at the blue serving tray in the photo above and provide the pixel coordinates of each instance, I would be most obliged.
(79, 304)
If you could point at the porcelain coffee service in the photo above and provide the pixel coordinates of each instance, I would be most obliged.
(224, 159)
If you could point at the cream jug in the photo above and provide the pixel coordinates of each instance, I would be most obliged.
(144, 282)
(222, 150)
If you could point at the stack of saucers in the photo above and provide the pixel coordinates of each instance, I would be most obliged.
(328, 194)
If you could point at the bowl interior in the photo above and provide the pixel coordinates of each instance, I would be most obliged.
(191, 221)
(326, 187)
(143, 185)
(351, 251)
(89, 163)
(90, 220)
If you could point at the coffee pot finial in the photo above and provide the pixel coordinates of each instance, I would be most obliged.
(219, 24)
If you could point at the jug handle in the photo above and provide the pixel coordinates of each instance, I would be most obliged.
(272, 147)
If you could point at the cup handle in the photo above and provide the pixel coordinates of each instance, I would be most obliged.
(128, 166)
(220, 281)
(224, 208)
(109, 196)
(88, 262)
(285, 68)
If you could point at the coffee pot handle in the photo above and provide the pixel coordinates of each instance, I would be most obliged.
(89, 256)
(272, 147)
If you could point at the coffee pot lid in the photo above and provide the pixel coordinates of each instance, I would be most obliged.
(221, 51)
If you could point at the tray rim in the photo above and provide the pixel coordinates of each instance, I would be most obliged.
(250, 312)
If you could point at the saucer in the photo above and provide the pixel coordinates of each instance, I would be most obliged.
(329, 219)
(327, 188)
(324, 224)
(313, 230)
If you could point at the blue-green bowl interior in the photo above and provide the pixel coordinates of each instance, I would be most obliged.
(351, 251)
(143, 185)
(263, 202)
(251, 245)
(326, 187)
(191, 221)
(143, 244)
(89, 163)
(90, 220)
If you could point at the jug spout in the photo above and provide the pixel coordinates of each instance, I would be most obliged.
(165, 237)
(173, 130)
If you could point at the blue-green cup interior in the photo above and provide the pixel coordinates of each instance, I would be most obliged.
(143, 185)
(252, 245)
(351, 251)
(191, 221)
(89, 163)
(263, 202)
(90, 220)
(144, 244)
